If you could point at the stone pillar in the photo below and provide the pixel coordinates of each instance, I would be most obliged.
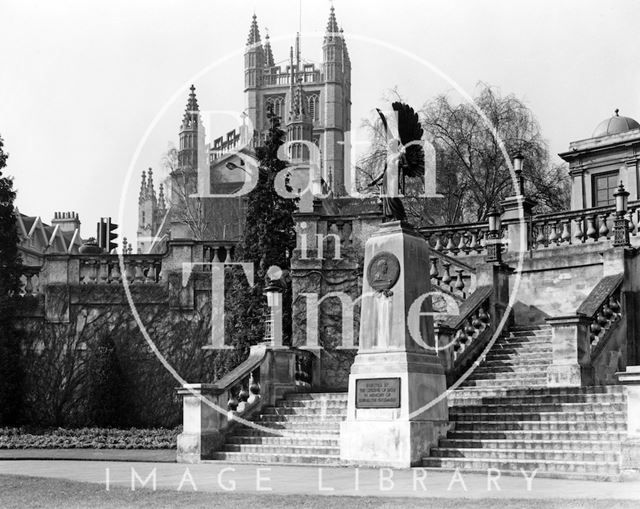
(571, 364)
(201, 435)
(517, 223)
(392, 419)
(630, 447)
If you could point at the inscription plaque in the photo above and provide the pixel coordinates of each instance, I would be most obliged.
(378, 393)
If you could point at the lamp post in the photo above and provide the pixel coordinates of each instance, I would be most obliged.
(273, 326)
(518, 159)
(494, 244)
(620, 224)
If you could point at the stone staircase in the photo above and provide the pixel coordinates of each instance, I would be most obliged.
(505, 417)
(307, 427)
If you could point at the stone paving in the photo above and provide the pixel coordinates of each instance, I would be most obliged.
(244, 478)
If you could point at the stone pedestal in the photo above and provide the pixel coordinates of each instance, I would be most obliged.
(571, 352)
(517, 222)
(200, 436)
(630, 447)
(392, 419)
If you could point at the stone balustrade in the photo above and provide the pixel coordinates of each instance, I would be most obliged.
(451, 275)
(603, 309)
(210, 411)
(461, 337)
(578, 226)
(219, 252)
(457, 240)
(107, 269)
(30, 282)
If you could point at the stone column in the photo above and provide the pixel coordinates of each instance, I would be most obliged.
(394, 415)
(571, 364)
(630, 447)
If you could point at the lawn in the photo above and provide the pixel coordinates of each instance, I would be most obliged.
(26, 492)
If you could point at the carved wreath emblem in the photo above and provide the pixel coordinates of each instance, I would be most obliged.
(383, 272)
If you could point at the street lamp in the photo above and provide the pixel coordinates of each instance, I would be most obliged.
(494, 244)
(620, 223)
(518, 159)
(273, 326)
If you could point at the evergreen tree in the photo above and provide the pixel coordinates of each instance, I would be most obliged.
(268, 239)
(106, 386)
(10, 271)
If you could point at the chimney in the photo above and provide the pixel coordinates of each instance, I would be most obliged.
(68, 221)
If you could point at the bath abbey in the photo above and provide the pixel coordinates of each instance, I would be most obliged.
(510, 343)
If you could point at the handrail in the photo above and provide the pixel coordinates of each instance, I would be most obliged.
(257, 354)
(460, 338)
(604, 309)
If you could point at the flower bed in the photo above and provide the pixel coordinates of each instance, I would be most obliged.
(88, 438)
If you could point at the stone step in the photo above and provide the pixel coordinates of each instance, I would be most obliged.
(526, 454)
(287, 459)
(308, 432)
(538, 425)
(524, 368)
(296, 403)
(533, 435)
(532, 445)
(519, 338)
(510, 382)
(330, 418)
(301, 450)
(295, 424)
(536, 407)
(597, 470)
(539, 391)
(532, 327)
(457, 398)
(303, 440)
(591, 416)
(516, 362)
(496, 356)
(522, 348)
(306, 410)
(309, 396)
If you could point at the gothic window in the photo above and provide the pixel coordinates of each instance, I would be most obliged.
(277, 103)
(313, 106)
(604, 185)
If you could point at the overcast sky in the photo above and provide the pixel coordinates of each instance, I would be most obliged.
(82, 81)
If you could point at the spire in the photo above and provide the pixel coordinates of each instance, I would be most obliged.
(161, 203)
(150, 190)
(268, 54)
(332, 25)
(191, 111)
(254, 32)
(143, 185)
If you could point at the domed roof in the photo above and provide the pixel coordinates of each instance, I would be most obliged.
(615, 125)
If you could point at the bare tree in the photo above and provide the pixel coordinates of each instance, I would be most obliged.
(473, 170)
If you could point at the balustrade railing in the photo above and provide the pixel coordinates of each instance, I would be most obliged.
(603, 307)
(30, 282)
(457, 240)
(219, 252)
(106, 269)
(578, 226)
(451, 275)
(460, 338)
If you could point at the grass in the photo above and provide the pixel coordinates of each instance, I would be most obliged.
(26, 492)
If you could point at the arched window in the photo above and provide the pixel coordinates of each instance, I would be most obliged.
(277, 104)
(313, 106)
